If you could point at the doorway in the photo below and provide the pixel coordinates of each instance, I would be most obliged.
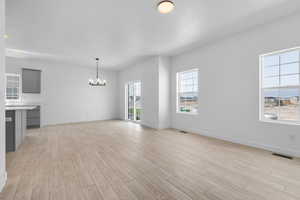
(133, 108)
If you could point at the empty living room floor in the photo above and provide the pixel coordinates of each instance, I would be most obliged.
(121, 160)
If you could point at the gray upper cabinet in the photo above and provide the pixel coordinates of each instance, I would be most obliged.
(31, 81)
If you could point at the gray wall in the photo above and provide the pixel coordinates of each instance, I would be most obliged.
(229, 88)
(2, 84)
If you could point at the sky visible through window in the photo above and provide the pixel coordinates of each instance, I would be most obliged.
(281, 70)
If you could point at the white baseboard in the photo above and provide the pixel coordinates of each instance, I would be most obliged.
(76, 122)
(3, 178)
(284, 151)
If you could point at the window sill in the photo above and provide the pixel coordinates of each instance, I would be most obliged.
(186, 113)
(280, 122)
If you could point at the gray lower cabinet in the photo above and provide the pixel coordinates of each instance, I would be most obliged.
(34, 118)
(10, 130)
(15, 129)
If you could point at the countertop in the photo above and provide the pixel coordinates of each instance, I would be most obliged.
(19, 107)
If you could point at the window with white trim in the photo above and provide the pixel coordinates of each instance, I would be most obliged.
(280, 86)
(187, 91)
(12, 87)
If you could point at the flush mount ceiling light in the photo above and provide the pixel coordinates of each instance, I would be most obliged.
(98, 81)
(165, 7)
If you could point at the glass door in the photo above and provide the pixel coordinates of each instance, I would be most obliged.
(137, 101)
(133, 99)
(130, 101)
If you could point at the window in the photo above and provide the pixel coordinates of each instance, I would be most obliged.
(187, 91)
(280, 86)
(12, 87)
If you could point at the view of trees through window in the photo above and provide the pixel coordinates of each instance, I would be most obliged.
(187, 91)
(134, 100)
(281, 86)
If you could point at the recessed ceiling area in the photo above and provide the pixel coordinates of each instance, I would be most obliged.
(125, 31)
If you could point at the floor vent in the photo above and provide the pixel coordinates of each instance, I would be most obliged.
(283, 156)
(183, 132)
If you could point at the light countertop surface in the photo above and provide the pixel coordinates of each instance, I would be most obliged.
(19, 107)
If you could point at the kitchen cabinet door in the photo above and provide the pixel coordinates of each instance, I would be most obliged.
(31, 81)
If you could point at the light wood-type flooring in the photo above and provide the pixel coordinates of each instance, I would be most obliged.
(124, 161)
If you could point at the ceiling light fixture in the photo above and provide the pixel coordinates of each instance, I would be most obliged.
(98, 81)
(5, 36)
(165, 7)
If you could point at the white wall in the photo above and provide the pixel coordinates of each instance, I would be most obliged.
(147, 72)
(66, 96)
(154, 73)
(229, 88)
(2, 107)
(164, 67)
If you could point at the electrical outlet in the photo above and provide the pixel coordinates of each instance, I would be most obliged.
(292, 137)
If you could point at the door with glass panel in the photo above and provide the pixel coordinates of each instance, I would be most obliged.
(133, 101)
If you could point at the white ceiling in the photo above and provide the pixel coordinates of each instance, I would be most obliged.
(122, 31)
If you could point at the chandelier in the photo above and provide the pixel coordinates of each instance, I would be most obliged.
(98, 81)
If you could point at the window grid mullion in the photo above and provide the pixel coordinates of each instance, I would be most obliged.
(279, 90)
(299, 75)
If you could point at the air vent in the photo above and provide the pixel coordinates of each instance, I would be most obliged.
(183, 132)
(282, 156)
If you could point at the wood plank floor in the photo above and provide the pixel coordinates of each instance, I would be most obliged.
(120, 160)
